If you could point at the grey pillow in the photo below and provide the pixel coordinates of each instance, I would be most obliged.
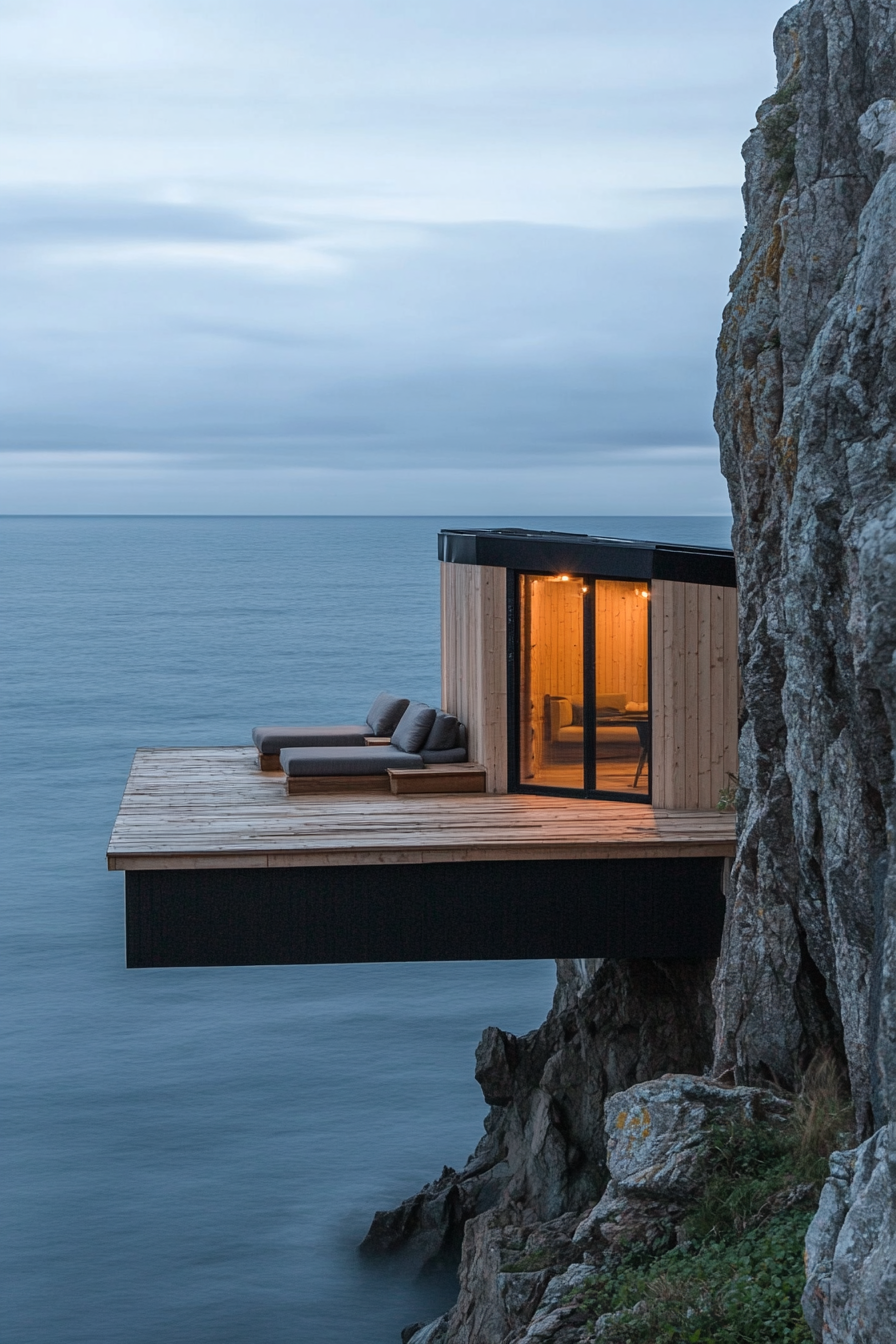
(442, 734)
(384, 714)
(413, 728)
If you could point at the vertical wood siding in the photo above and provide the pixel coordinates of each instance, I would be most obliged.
(695, 693)
(474, 662)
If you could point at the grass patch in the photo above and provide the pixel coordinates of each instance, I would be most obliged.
(739, 1290)
(779, 132)
(738, 1277)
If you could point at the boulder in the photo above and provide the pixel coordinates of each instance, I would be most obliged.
(658, 1145)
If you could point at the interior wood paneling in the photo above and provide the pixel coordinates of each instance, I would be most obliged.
(620, 638)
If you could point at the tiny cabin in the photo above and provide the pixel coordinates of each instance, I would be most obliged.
(591, 667)
(597, 679)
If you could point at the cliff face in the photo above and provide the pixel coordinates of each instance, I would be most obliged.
(805, 418)
(805, 414)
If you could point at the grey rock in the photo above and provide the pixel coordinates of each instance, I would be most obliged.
(434, 1333)
(561, 1286)
(497, 1057)
(565, 1325)
(657, 1148)
(850, 1295)
(657, 1131)
(507, 1263)
(612, 1024)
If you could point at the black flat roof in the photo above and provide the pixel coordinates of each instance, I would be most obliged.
(578, 553)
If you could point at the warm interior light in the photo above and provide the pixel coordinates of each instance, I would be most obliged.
(564, 578)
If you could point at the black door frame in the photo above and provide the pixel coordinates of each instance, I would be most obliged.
(514, 671)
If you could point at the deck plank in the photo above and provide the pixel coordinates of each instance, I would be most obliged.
(213, 808)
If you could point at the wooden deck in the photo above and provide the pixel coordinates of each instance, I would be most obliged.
(212, 808)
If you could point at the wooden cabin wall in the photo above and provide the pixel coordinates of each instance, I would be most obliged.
(695, 693)
(620, 626)
(474, 662)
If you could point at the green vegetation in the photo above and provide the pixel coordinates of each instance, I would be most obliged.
(779, 132)
(738, 1276)
(742, 1289)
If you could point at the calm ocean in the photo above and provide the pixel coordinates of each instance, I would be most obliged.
(191, 1156)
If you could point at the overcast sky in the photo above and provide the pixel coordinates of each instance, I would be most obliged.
(369, 256)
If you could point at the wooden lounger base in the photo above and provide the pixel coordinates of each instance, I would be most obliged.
(338, 783)
(431, 779)
(439, 779)
(269, 762)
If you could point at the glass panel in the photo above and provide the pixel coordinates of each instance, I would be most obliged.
(552, 737)
(622, 737)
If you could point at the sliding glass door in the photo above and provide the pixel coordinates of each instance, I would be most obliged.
(622, 718)
(583, 719)
(552, 681)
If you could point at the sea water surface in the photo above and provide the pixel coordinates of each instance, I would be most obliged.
(191, 1156)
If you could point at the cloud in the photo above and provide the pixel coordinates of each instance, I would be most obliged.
(481, 345)
(315, 245)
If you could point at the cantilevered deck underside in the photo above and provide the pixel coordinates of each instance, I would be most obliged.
(223, 868)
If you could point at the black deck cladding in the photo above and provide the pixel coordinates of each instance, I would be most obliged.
(659, 908)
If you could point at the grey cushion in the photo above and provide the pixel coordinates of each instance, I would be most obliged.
(384, 714)
(442, 734)
(452, 756)
(347, 760)
(271, 740)
(413, 728)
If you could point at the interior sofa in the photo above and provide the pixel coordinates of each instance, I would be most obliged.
(383, 715)
(423, 736)
(620, 726)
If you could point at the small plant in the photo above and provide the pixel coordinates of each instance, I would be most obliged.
(728, 795)
(779, 132)
(823, 1117)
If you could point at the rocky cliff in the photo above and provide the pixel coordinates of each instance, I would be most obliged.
(612, 1024)
(805, 415)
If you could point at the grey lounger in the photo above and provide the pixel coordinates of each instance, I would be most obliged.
(384, 714)
(330, 769)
